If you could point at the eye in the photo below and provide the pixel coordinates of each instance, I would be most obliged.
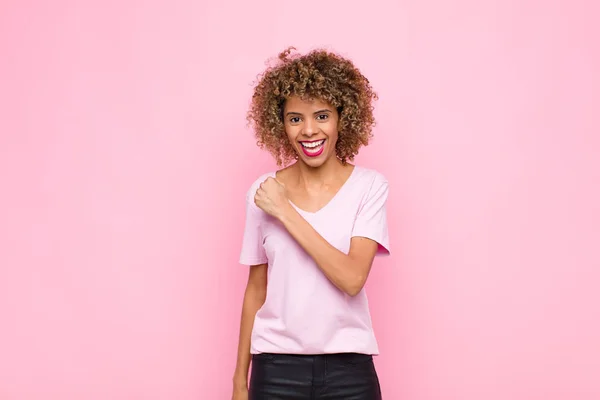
(295, 120)
(322, 117)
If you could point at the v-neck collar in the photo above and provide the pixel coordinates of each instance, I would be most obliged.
(332, 200)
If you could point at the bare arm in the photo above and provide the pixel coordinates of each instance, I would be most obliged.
(348, 272)
(254, 298)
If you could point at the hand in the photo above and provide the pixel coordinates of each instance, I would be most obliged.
(271, 198)
(240, 393)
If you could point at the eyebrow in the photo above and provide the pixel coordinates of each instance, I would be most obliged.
(316, 112)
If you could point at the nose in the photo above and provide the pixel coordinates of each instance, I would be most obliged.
(309, 128)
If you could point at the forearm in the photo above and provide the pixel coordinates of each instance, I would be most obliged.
(253, 300)
(340, 268)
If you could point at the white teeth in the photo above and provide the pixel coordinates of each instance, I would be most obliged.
(312, 144)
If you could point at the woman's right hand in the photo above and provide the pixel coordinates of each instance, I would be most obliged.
(240, 393)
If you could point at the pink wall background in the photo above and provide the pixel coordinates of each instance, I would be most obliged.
(124, 159)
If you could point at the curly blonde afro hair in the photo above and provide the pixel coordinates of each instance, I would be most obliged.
(321, 75)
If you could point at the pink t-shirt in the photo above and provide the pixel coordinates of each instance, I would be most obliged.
(304, 313)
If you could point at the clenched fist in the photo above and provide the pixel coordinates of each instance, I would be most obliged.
(271, 198)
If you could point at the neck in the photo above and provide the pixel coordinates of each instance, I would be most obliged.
(324, 174)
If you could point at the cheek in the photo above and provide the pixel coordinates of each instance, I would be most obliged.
(291, 133)
(332, 132)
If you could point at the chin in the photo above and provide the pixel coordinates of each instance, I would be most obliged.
(315, 162)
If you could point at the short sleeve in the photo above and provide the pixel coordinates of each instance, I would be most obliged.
(371, 221)
(253, 252)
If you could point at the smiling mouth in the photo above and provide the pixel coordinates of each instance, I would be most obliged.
(314, 148)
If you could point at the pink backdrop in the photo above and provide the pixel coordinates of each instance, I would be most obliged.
(124, 159)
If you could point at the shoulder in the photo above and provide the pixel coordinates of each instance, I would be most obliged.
(370, 177)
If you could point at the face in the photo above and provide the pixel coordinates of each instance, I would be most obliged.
(311, 127)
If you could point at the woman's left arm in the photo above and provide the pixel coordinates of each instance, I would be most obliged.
(348, 272)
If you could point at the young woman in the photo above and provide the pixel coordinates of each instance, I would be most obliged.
(311, 233)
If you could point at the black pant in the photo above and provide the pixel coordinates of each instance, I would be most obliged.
(347, 376)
